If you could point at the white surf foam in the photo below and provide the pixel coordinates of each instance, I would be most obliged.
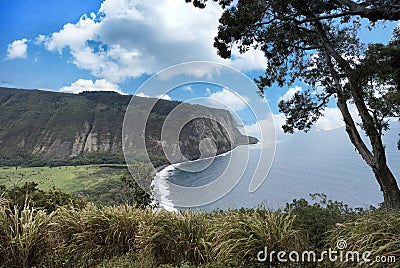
(161, 189)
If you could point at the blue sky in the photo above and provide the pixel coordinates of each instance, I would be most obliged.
(74, 45)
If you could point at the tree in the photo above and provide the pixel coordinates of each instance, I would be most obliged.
(140, 175)
(316, 42)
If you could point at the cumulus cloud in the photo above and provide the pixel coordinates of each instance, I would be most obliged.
(333, 119)
(71, 35)
(129, 38)
(88, 85)
(290, 93)
(164, 97)
(251, 60)
(268, 130)
(17, 49)
(188, 88)
(141, 94)
(227, 99)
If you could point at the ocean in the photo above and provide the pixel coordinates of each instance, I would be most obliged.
(316, 162)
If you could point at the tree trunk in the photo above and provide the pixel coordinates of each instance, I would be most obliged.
(388, 183)
(377, 161)
(377, 158)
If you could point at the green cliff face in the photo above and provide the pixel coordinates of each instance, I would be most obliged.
(41, 127)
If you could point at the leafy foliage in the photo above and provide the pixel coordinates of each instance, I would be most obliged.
(317, 43)
(29, 195)
(138, 180)
(316, 219)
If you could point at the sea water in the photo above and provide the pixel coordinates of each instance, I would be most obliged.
(319, 162)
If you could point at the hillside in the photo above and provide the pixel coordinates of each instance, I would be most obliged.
(50, 128)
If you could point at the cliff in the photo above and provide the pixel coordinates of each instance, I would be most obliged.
(41, 127)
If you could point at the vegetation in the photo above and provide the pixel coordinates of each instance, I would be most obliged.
(317, 43)
(316, 219)
(126, 236)
(35, 120)
(69, 179)
(48, 188)
(377, 232)
(41, 128)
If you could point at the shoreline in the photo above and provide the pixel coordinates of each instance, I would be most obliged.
(160, 168)
(160, 181)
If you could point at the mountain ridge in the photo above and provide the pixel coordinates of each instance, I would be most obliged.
(42, 127)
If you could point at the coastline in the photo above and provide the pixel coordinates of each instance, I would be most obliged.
(160, 168)
(160, 181)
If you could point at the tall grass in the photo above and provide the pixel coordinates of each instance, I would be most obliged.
(378, 232)
(235, 237)
(23, 236)
(3, 202)
(171, 238)
(86, 236)
(125, 236)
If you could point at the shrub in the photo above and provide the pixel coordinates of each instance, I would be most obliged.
(315, 220)
(29, 194)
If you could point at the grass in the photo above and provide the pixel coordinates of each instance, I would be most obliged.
(69, 179)
(377, 232)
(125, 236)
(167, 237)
(23, 236)
(240, 235)
(91, 234)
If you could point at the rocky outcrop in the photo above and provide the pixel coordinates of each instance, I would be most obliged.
(55, 126)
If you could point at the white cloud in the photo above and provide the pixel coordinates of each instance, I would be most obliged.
(129, 38)
(82, 85)
(333, 119)
(164, 97)
(71, 35)
(251, 60)
(227, 99)
(141, 94)
(204, 70)
(40, 40)
(188, 88)
(290, 93)
(268, 130)
(17, 49)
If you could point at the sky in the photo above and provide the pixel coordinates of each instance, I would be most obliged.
(76, 45)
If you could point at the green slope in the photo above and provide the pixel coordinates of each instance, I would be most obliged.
(50, 128)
